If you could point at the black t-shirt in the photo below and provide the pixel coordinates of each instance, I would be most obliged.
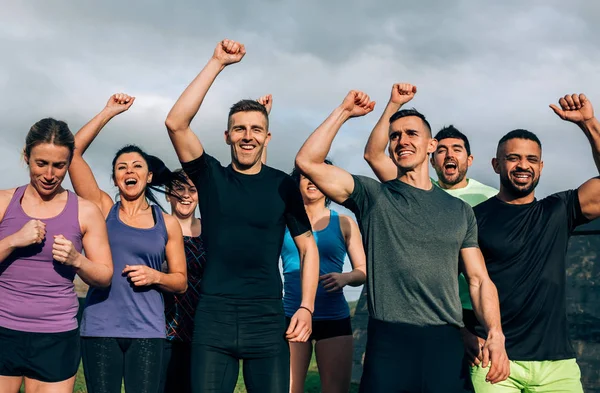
(243, 224)
(525, 250)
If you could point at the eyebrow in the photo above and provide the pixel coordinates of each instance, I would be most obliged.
(124, 162)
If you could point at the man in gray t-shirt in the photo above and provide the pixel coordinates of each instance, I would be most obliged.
(414, 234)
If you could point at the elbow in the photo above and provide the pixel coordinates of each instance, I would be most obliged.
(173, 125)
(368, 156)
(304, 163)
(183, 288)
(105, 281)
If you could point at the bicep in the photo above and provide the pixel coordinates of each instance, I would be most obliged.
(333, 181)
(304, 242)
(589, 198)
(187, 144)
(354, 244)
(383, 167)
(174, 250)
(472, 264)
(95, 236)
(85, 185)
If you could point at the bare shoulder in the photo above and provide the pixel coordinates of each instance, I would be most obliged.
(89, 213)
(5, 197)
(173, 227)
(347, 224)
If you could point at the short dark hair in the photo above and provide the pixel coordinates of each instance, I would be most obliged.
(51, 131)
(519, 134)
(410, 112)
(295, 174)
(453, 132)
(247, 106)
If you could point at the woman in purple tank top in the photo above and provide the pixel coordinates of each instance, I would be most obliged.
(43, 230)
(123, 326)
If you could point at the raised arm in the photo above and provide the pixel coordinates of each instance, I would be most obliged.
(334, 182)
(186, 143)
(82, 177)
(487, 309)
(267, 101)
(577, 109)
(95, 267)
(381, 164)
(356, 253)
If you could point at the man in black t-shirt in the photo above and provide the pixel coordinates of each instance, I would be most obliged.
(245, 208)
(524, 242)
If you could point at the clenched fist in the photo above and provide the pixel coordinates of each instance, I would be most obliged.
(229, 52)
(267, 102)
(141, 275)
(33, 232)
(64, 252)
(357, 104)
(574, 108)
(402, 93)
(119, 103)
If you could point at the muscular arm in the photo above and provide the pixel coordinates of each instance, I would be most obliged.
(356, 252)
(589, 192)
(186, 143)
(176, 279)
(381, 164)
(96, 267)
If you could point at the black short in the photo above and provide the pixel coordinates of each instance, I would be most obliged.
(328, 328)
(46, 357)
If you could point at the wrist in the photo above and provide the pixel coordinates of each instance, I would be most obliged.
(393, 106)
(342, 114)
(215, 64)
(310, 311)
(78, 261)
(495, 334)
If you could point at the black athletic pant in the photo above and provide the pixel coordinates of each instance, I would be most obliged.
(109, 361)
(177, 365)
(226, 331)
(403, 358)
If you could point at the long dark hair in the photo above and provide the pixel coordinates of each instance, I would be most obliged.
(162, 178)
(295, 174)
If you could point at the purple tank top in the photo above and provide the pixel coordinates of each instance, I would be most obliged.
(37, 293)
(122, 310)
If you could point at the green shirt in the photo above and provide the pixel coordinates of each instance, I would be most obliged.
(474, 193)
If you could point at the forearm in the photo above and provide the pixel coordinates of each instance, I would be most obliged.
(92, 273)
(317, 146)
(379, 137)
(484, 297)
(86, 135)
(591, 128)
(309, 275)
(188, 104)
(7, 247)
(172, 282)
(355, 278)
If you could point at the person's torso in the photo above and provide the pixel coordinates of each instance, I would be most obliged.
(524, 247)
(122, 309)
(36, 292)
(180, 308)
(332, 252)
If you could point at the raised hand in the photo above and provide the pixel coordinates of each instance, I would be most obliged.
(64, 252)
(229, 52)
(402, 93)
(575, 108)
(33, 232)
(141, 275)
(119, 103)
(357, 104)
(266, 101)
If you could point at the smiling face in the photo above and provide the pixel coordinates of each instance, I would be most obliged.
(519, 164)
(410, 143)
(451, 161)
(48, 166)
(131, 175)
(185, 199)
(310, 193)
(247, 136)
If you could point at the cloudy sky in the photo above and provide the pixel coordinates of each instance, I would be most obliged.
(486, 68)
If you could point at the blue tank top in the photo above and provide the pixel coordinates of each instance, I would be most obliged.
(332, 252)
(122, 310)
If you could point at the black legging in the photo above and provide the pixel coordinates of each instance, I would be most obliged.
(109, 361)
(176, 365)
(227, 331)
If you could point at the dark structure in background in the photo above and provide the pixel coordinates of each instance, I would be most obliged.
(583, 307)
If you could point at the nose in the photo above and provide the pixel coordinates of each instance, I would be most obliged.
(49, 173)
(247, 135)
(523, 164)
(403, 139)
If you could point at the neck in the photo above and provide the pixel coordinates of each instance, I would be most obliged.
(507, 197)
(315, 210)
(44, 198)
(417, 177)
(246, 170)
(134, 207)
(187, 224)
(462, 184)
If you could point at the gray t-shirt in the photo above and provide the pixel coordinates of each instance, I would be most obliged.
(412, 239)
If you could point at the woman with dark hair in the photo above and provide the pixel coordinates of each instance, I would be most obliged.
(336, 235)
(181, 308)
(43, 230)
(123, 327)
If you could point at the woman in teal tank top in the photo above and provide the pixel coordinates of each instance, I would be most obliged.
(336, 235)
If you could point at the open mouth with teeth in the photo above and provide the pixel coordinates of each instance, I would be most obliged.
(247, 147)
(185, 203)
(312, 189)
(404, 153)
(130, 182)
(450, 167)
(522, 177)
